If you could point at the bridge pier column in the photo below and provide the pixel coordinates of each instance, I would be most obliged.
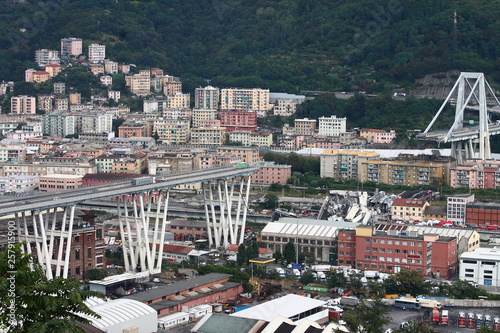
(137, 249)
(222, 227)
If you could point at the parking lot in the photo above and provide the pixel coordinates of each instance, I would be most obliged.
(399, 315)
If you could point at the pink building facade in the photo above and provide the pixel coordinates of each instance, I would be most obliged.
(57, 183)
(273, 174)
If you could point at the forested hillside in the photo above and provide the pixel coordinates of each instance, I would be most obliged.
(284, 45)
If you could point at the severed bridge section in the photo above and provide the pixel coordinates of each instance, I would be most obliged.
(44, 222)
(471, 92)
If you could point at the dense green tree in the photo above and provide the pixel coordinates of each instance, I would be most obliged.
(241, 256)
(278, 256)
(39, 304)
(307, 277)
(407, 282)
(370, 316)
(289, 252)
(95, 274)
(252, 251)
(271, 201)
(336, 278)
(465, 290)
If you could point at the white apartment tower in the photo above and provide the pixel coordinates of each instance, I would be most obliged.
(206, 98)
(71, 46)
(97, 53)
(331, 126)
(23, 104)
(46, 57)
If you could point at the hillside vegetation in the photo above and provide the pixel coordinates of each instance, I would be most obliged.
(287, 45)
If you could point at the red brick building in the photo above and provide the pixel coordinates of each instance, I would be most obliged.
(238, 120)
(392, 251)
(481, 213)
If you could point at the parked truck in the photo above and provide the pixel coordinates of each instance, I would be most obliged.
(348, 300)
(471, 320)
(143, 181)
(461, 319)
(435, 316)
(444, 317)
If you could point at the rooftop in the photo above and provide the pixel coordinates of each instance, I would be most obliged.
(286, 306)
(178, 287)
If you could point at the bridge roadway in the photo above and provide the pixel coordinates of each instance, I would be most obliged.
(42, 201)
(461, 134)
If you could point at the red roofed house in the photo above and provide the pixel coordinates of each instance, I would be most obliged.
(41, 76)
(409, 209)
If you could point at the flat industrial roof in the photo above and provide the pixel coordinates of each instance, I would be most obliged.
(482, 253)
(307, 227)
(176, 287)
(286, 306)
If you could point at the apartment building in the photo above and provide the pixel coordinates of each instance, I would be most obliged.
(476, 174)
(392, 251)
(53, 69)
(172, 131)
(59, 88)
(71, 47)
(184, 113)
(285, 105)
(344, 164)
(97, 53)
(18, 184)
(247, 154)
(154, 105)
(407, 173)
(377, 135)
(172, 86)
(409, 209)
(178, 100)
(28, 74)
(240, 136)
(241, 99)
(41, 76)
(207, 98)
(106, 80)
(456, 206)
(75, 98)
(131, 129)
(238, 120)
(61, 104)
(46, 57)
(110, 67)
(273, 174)
(96, 69)
(139, 84)
(214, 136)
(59, 182)
(305, 126)
(331, 126)
(23, 104)
(42, 168)
(95, 123)
(114, 95)
(201, 116)
(259, 139)
(121, 163)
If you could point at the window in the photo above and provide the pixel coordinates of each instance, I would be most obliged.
(491, 263)
(470, 270)
(77, 254)
(389, 250)
(374, 257)
(374, 249)
(485, 272)
(382, 241)
(397, 251)
(367, 257)
(367, 240)
(389, 259)
(469, 275)
(367, 248)
(389, 242)
(382, 250)
(396, 242)
(89, 252)
(405, 243)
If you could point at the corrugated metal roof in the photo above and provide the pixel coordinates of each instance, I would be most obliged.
(286, 306)
(226, 324)
(307, 228)
(118, 311)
